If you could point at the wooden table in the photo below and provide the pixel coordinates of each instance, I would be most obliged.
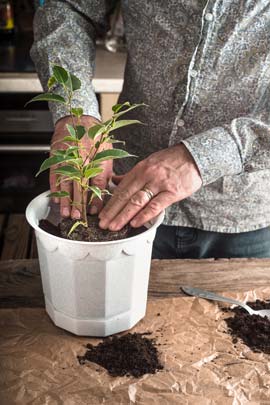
(20, 283)
(35, 373)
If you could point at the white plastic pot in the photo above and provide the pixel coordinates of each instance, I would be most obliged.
(93, 288)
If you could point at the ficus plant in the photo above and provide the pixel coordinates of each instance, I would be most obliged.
(75, 163)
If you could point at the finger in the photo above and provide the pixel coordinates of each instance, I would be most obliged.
(117, 178)
(152, 209)
(122, 194)
(137, 202)
(53, 185)
(65, 201)
(77, 205)
(101, 182)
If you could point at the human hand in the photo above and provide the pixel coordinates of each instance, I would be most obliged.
(66, 209)
(155, 183)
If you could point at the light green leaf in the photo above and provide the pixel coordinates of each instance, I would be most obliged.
(48, 97)
(60, 74)
(68, 171)
(118, 107)
(74, 226)
(92, 172)
(51, 82)
(96, 192)
(96, 130)
(80, 130)
(78, 112)
(59, 194)
(111, 154)
(132, 107)
(124, 123)
(71, 130)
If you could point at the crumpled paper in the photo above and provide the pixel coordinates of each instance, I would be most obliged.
(201, 364)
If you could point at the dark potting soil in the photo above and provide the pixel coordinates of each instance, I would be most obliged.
(252, 330)
(132, 354)
(93, 233)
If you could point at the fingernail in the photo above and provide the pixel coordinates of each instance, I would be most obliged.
(93, 210)
(103, 224)
(65, 212)
(56, 200)
(76, 214)
(114, 227)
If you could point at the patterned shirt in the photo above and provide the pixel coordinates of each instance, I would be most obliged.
(203, 67)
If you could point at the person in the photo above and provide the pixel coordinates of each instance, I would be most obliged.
(203, 69)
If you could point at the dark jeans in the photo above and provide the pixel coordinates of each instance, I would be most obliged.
(178, 242)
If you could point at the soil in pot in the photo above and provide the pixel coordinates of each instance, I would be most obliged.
(93, 233)
(132, 354)
(252, 330)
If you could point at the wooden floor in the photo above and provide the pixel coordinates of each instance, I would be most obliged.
(17, 239)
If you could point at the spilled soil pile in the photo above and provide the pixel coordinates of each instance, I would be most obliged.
(253, 330)
(132, 354)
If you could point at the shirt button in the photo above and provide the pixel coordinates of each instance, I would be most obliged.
(209, 17)
(193, 73)
(180, 123)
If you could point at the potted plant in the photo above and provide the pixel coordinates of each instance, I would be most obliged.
(90, 288)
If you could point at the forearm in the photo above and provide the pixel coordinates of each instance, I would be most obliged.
(244, 145)
(64, 34)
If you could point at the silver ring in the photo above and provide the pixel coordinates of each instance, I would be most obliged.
(148, 192)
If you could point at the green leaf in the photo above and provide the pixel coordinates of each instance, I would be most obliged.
(71, 130)
(74, 226)
(124, 123)
(78, 112)
(132, 107)
(69, 139)
(68, 171)
(80, 131)
(111, 154)
(96, 130)
(92, 172)
(96, 192)
(60, 74)
(75, 82)
(48, 97)
(118, 107)
(59, 194)
(51, 161)
(51, 82)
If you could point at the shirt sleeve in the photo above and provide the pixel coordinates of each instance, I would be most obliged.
(64, 34)
(242, 146)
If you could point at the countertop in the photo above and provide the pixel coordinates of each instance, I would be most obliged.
(108, 76)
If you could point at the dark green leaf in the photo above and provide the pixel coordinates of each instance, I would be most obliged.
(68, 171)
(75, 82)
(78, 112)
(48, 97)
(94, 131)
(51, 161)
(60, 74)
(80, 131)
(59, 194)
(111, 154)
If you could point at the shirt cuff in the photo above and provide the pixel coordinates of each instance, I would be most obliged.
(215, 153)
(84, 98)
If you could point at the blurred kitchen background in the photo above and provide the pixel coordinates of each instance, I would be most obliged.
(25, 133)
